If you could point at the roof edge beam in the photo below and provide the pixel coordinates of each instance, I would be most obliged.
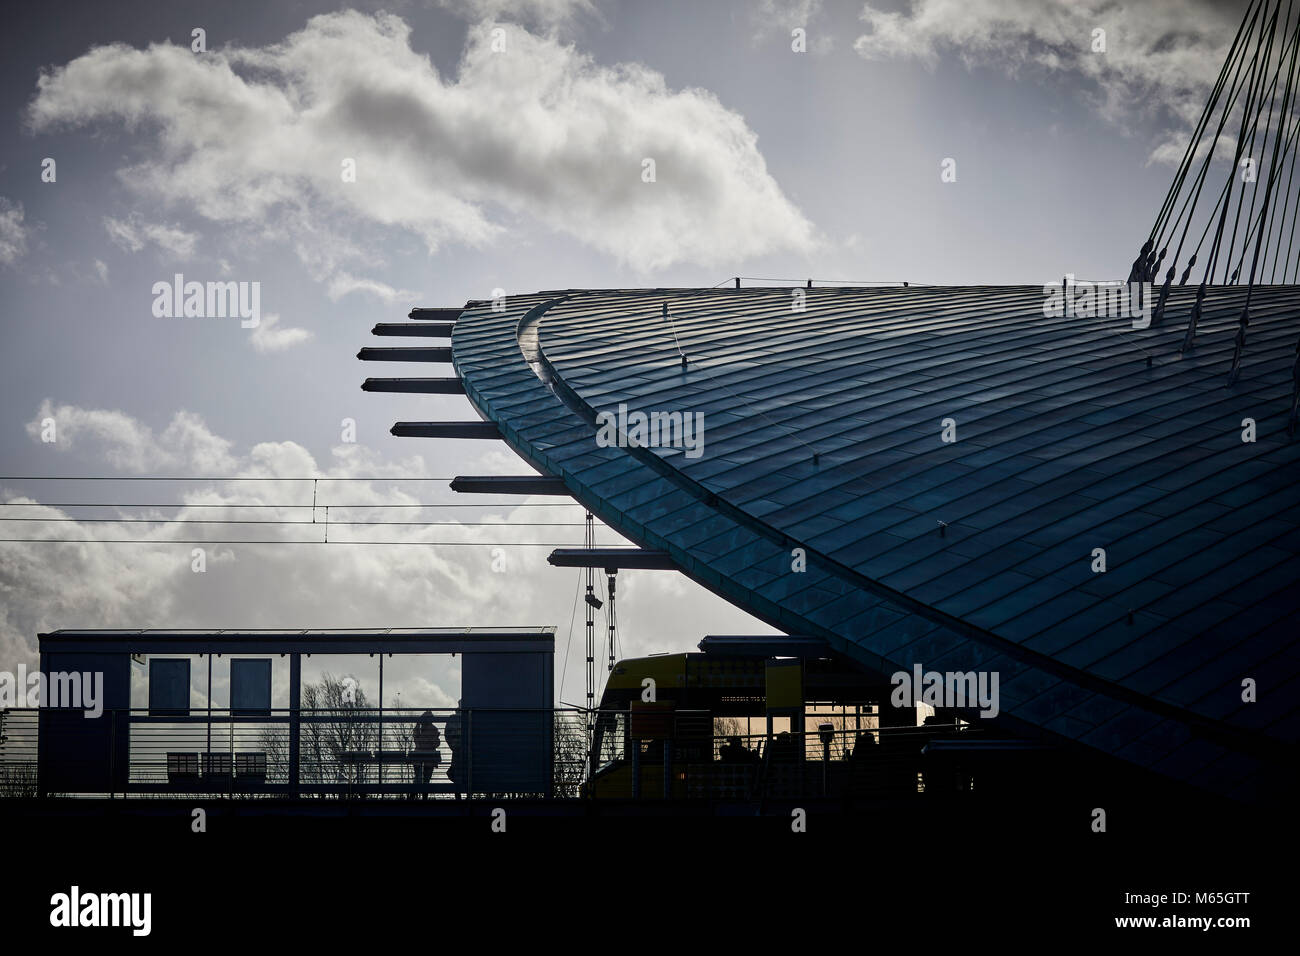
(617, 558)
(428, 330)
(424, 386)
(422, 354)
(445, 430)
(450, 314)
(510, 485)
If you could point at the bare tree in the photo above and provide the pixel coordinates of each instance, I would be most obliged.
(336, 719)
(17, 761)
(728, 727)
(570, 753)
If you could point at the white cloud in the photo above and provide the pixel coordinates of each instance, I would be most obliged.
(259, 135)
(547, 14)
(268, 336)
(126, 444)
(344, 283)
(1158, 57)
(101, 270)
(150, 584)
(779, 17)
(13, 233)
(133, 233)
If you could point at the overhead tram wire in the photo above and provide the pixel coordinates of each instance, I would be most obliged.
(301, 521)
(314, 506)
(573, 613)
(236, 506)
(413, 542)
(218, 478)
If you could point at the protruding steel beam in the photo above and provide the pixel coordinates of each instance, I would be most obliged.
(425, 330)
(423, 386)
(510, 485)
(371, 354)
(436, 315)
(445, 430)
(617, 558)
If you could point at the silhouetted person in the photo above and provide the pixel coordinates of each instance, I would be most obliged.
(426, 739)
(863, 746)
(732, 751)
(782, 748)
(455, 769)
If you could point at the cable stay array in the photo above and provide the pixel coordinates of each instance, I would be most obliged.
(1231, 212)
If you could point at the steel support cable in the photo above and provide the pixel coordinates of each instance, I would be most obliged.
(1259, 217)
(1286, 203)
(1209, 106)
(1268, 126)
(1291, 139)
(1209, 220)
(1229, 104)
(1227, 185)
(1244, 321)
(1263, 226)
(1254, 101)
(1148, 261)
(1143, 268)
(1192, 199)
(1199, 132)
(1251, 99)
(1236, 155)
(1207, 276)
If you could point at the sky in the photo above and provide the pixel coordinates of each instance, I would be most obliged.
(358, 160)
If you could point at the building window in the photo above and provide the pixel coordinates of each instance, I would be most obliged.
(169, 687)
(250, 688)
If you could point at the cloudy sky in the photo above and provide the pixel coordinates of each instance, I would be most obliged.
(495, 145)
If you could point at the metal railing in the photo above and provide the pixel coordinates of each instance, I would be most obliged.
(415, 753)
(837, 762)
(348, 752)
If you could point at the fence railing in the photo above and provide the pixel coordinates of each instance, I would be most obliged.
(415, 753)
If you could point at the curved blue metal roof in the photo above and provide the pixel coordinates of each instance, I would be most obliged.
(823, 432)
